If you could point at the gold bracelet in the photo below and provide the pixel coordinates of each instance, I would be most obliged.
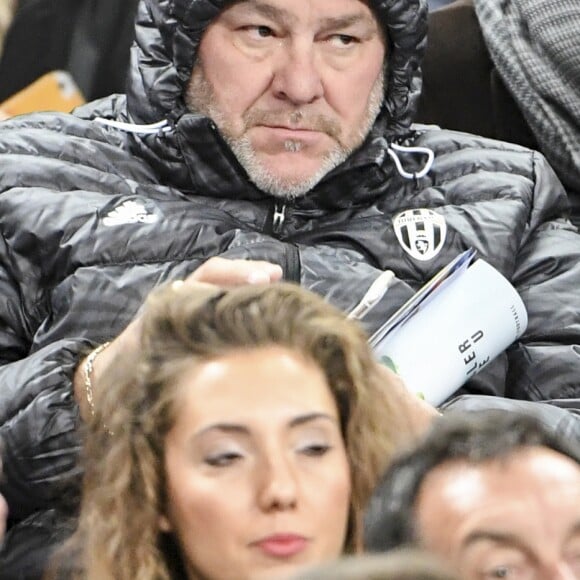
(88, 371)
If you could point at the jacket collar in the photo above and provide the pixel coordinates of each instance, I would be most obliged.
(214, 171)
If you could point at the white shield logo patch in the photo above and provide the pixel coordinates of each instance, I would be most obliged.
(421, 233)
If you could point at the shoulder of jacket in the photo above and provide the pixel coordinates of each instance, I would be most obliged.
(64, 152)
(458, 154)
(447, 141)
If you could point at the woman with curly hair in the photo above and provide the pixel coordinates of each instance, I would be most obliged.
(240, 438)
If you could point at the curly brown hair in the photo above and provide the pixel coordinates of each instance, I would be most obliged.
(118, 536)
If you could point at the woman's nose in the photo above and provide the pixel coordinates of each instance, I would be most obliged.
(278, 485)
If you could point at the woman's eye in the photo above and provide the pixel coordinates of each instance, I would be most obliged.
(223, 459)
(315, 450)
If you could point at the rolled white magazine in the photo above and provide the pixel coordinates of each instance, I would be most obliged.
(465, 317)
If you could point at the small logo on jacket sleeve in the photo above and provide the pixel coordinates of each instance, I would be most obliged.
(421, 233)
(131, 212)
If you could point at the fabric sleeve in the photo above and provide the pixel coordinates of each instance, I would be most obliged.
(38, 413)
(39, 418)
(545, 363)
(561, 416)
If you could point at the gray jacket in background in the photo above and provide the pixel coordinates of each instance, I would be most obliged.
(535, 47)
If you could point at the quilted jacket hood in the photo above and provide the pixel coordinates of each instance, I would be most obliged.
(168, 33)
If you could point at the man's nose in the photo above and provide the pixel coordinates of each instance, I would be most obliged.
(278, 485)
(297, 77)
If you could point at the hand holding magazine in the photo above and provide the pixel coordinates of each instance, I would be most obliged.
(456, 324)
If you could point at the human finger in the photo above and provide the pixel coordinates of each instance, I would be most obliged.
(226, 272)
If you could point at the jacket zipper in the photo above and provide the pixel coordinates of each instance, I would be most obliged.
(279, 217)
(293, 266)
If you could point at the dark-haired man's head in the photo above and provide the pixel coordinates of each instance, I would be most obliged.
(495, 494)
(404, 564)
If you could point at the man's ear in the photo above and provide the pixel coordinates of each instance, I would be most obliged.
(164, 524)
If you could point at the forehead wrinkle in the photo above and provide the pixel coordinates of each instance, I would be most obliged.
(269, 11)
(499, 538)
(337, 22)
(286, 17)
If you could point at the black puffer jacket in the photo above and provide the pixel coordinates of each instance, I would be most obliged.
(94, 214)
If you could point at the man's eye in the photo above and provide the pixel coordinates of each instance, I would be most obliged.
(260, 31)
(343, 40)
(501, 572)
(223, 459)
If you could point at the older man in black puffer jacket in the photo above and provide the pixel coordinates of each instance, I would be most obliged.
(256, 140)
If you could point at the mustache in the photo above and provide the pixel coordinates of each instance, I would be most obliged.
(295, 120)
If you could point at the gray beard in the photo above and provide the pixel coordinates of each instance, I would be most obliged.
(268, 182)
(199, 99)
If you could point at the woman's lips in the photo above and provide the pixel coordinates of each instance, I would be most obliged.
(282, 545)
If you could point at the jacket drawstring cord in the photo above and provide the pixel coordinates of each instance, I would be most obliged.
(152, 129)
(392, 148)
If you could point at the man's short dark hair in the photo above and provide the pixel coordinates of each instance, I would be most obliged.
(474, 437)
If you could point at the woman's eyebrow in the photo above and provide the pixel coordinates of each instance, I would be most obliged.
(224, 428)
(302, 419)
(240, 429)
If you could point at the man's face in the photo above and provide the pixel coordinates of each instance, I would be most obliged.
(515, 518)
(293, 86)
